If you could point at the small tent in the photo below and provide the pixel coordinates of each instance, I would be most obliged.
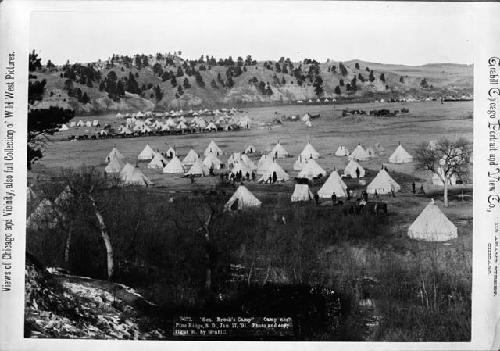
(382, 184)
(213, 148)
(311, 170)
(350, 170)
(171, 152)
(250, 164)
(299, 163)
(264, 163)
(211, 161)
(190, 158)
(309, 152)
(400, 156)
(131, 175)
(359, 153)
(432, 225)
(250, 149)
(174, 166)
(278, 151)
(114, 153)
(342, 151)
(147, 153)
(158, 161)
(333, 185)
(63, 127)
(302, 193)
(241, 166)
(198, 169)
(115, 165)
(242, 199)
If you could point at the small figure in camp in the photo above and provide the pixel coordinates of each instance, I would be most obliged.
(357, 172)
(191, 177)
(376, 194)
(316, 199)
(413, 187)
(365, 195)
(349, 193)
(275, 177)
(421, 189)
(253, 175)
(334, 199)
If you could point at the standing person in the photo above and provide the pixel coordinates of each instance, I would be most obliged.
(316, 199)
(413, 187)
(422, 189)
(275, 177)
(357, 172)
(348, 191)
(334, 199)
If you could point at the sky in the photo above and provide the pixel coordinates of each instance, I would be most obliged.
(414, 34)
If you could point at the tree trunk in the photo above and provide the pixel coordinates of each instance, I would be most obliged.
(105, 237)
(67, 247)
(446, 192)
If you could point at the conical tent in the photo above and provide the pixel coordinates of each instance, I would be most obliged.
(235, 156)
(359, 154)
(309, 152)
(278, 151)
(382, 184)
(171, 152)
(158, 161)
(342, 151)
(211, 161)
(333, 185)
(190, 158)
(243, 199)
(400, 156)
(432, 225)
(302, 193)
(351, 167)
(311, 170)
(299, 163)
(147, 153)
(63, 127)
(241, 166)
(265, 162)
(174, 166)
(114, 166)
(114, 154)
(198, 169)
(250, 149)
(274, 169)
(213, 148)
(133, 176)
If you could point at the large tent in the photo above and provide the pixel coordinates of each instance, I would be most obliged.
(174, 166)
(333, 185)
(400, 156)
(274, 169)
(198, 169)
(147, 153)
(242, 199)
(114, 154)
(359, 153)
(278, 151)
(131, 175)
(190, 158)
(309, 152)
(382, 184)
(311, 169)
(213, 148)
(212, 161)
(350, 170)
(249, 162)
(342, 151)
(302, 193)
(158, 161)
(264, 163)
(432, 225)
(115, 165)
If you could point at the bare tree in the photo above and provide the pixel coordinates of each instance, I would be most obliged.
(446, 158)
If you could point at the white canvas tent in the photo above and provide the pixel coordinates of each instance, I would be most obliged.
(63, 127)
(241, 166)
(264, 163)
(274, 168)
(311, 170)
(114, 166)
(382, 184)
(278, 151)
(333, 185)
(250, 149)
(299, 163)
(174, 166)
(400, 156)
(211, 161)
(171, 152)
(114, 153)
(342, 151)
(350, 169)
(131, 175)
(213, 148)
(359, 153)
(242, 199)
(158, 161)
(190, 158)
(198, 169)
(302, 193)
(147, 153)
(309, 152)
(432, 225)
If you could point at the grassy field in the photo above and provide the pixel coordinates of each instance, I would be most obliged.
(423, 288)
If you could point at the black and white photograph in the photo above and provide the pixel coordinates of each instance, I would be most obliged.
(252, 171)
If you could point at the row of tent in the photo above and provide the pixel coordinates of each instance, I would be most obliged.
(80, 123)
(179, 113)
(430, 225)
